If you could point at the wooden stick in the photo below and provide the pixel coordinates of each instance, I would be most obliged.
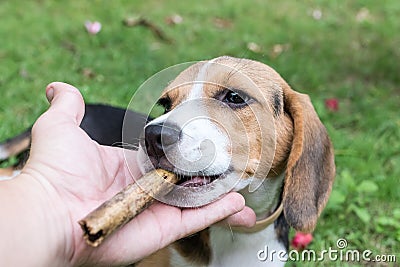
(125, 205)
(139, 21)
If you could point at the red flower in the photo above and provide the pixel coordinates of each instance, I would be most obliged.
(332, 104)
(301, 240)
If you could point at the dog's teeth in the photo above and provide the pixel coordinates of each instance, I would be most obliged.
(196, 181)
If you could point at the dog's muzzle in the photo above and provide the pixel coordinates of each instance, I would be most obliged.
(161, 143)
(197, 186)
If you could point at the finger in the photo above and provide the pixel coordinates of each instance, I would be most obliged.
(246, 218)
(195, 220)
(65, 99)
(159, 226)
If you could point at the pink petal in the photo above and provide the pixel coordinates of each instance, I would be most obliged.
(93, 27)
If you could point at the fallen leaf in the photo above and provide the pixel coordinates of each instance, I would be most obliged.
(254, 47)
(174, 19)
(362, 14)
(279, 49)
(222, 23)
(316, 14)
(88, 73)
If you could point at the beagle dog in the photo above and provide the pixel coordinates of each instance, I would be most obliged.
(237, 120)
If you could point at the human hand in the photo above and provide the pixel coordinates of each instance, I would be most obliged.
(68, 175)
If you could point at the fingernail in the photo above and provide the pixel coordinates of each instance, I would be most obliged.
(50, 94)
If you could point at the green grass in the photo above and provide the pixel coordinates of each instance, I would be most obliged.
(337, 56)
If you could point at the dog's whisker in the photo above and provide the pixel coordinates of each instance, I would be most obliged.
(272, 170)
(186, 134)
(231, 231)
(126, 145)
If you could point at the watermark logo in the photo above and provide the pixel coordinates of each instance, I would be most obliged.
(340, 253)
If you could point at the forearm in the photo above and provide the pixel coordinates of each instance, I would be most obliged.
(28, 227)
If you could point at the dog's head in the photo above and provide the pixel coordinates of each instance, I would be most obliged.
(234, 121)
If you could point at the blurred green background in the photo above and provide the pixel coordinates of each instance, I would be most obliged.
(347, 52)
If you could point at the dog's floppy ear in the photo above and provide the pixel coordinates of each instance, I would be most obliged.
(310, 167)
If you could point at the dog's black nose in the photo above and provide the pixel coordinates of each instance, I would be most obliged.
(159, 137)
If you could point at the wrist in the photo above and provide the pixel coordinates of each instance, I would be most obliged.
(34, 229)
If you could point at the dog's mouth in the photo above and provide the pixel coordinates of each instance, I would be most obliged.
(196, 190)
(196, 180)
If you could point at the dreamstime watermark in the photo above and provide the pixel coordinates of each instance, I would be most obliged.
(339, 253)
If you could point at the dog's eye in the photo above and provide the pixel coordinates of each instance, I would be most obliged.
(234, 98)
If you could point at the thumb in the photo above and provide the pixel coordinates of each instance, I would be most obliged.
(66, 100)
